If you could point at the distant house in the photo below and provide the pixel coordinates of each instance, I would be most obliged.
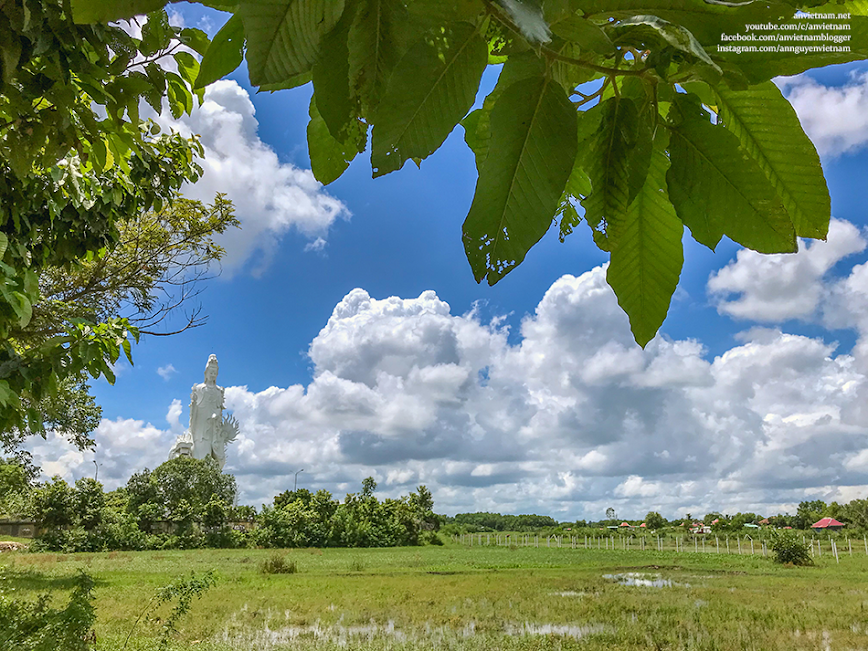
(764, 521)
(715, 521)
(750, 525)
(625, 524)
(642, 526)
(828, 524)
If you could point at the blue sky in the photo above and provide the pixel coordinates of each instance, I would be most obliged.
(524, 397)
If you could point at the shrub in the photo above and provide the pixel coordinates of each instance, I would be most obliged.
(789, 548)
(277, 564)
(35, 626)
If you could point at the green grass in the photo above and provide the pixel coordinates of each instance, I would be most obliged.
(455, 597)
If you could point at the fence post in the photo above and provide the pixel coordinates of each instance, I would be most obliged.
(751, 546)
(849, 544)
(834, 549)
(738, 539)
(717, 542)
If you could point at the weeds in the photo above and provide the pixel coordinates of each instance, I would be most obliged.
(277, 564)
(183, 590)
(34, 626)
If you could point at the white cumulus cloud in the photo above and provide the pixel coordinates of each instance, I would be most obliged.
(834, 117)
(270, 196)
(568, 419)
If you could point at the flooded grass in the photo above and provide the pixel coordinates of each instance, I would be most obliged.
(472, 599)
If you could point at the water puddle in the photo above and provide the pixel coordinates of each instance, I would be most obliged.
(637, 579)
(567, 593)
(267, 638)
(564, 630)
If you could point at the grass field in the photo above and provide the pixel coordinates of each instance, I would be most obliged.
(457, 597)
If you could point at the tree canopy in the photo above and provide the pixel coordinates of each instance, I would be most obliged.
(635, 112)
(96, 244)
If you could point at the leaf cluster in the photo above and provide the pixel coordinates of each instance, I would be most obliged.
(76, 162)
(623, 114)
(37, 626)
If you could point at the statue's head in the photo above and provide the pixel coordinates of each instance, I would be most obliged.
(211, 370)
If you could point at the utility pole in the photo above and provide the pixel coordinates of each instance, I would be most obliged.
(96, 472)
(295, 487)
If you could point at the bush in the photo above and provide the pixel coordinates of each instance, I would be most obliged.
(277, 564)
(35, 626)
(789, 548)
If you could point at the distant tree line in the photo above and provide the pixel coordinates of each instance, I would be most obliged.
(483, 521)
(187, 503)
(853, 514)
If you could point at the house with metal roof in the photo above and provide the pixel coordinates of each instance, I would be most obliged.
(827, 524)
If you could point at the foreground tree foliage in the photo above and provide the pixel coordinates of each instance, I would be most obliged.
(625, 108)
(76, 163)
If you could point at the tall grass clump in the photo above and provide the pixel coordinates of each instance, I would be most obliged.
(787, 547)
(277, 564)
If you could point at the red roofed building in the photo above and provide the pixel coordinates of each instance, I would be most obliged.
(625, 524)
(642, 526)
(828, 524)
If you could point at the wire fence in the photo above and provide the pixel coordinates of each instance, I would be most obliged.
(742, 545)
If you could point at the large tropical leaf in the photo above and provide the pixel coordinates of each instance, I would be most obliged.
(767, 127)
(104, 11)
(530, 157)
(477, 127)
(431, 89)
(329, 157)
(617, 160)
(718, 189)
(336, 101)
(646, 252)
(283, 36)
(224, 55)
(377, 41)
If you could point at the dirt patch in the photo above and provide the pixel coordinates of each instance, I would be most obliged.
(10, 546)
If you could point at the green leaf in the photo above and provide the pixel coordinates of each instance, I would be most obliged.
(7, 395)
(4, 242)
(104, 11)
(335, 100)
(769, 129)
(22, 307)
(283, 36)
(439, 12)
(617, 161)
(224, 55)
(188, 67)
(328, 156)
(128, 350)
(195, 39)
(675, 35)
(531, 155)
(646, 253)
(431, 89)
(293, 82)
(528, 16)
(718, 189)
(522, 66)
(376, 44)
(585, 33)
